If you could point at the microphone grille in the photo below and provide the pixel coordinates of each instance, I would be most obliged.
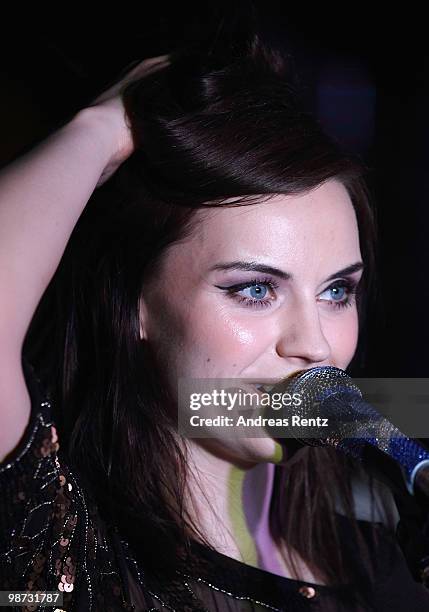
(316, 384)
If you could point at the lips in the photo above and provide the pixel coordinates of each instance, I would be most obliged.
(265, 388)
(269, 383)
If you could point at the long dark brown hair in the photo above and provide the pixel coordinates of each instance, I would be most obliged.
(211, 127)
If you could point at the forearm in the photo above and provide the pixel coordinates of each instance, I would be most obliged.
(42, 195)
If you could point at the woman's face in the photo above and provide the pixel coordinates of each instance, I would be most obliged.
(299, 256)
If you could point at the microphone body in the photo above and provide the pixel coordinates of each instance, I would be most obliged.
(355, 426)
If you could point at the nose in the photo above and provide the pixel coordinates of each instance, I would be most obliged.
(301, 336)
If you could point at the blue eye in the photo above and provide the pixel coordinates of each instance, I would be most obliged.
(341, 293)
(338, 292)
(257, 290)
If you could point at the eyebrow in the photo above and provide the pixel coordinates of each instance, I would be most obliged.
(253, 266)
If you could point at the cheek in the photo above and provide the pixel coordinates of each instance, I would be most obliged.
(342, 336)
(220, 340)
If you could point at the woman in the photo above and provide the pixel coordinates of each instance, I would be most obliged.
(235, 241)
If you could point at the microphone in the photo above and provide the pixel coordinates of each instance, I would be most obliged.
(329, 395)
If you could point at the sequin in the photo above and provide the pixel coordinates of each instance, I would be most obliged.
(307, 591)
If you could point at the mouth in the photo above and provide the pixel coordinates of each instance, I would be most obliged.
(267, 385)
(263, 387)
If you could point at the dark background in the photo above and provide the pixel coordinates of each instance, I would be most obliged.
(366, 77)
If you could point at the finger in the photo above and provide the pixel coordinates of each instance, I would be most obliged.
(146, 67)
(143, 68)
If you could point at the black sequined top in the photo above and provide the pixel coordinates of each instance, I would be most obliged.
(53, 539)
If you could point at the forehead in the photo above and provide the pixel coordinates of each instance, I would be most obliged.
(317, 230)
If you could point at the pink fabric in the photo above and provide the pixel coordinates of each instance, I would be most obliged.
(257, 490)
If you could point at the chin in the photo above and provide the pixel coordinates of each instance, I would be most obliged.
(252, 450)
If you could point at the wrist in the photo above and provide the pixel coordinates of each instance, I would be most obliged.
(103, 128)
